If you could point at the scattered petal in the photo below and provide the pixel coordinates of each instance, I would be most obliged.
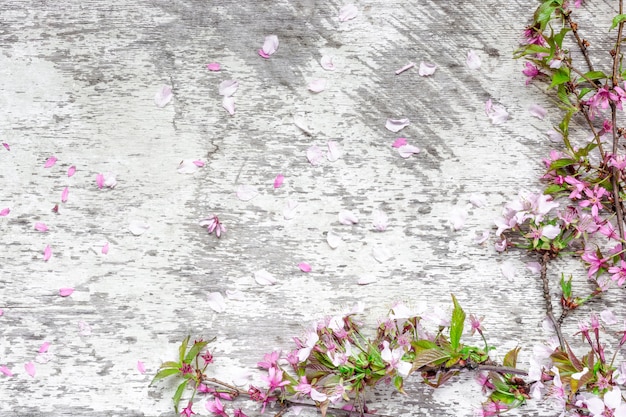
(366, 280)
(534, 267)
(496, 112)
(41, 227)
(317, 86)
(107, 179)
(333, 240)
(289, 212)
(163, 96)
(235, 295)
(263, 277)
(304, 267)
(508, 270)
(246, 192)
(347, 217)
(47, 253)
(71, 171)
(216, 302)
(406, 151)
(105, 249)
(43, 357)
(199, 163)
(100, 180)
(482, 238)
(380, 221)
(327, 63)
(396, 125)
(299, 119)
(608, 317)
(66, 292)
(381, 254)
(138, 227)
(50, 162)
(427, 68)
(404, 68)
(228, 88)
(279, 180)
(1, 312)
(84, 329)
(213, 66)
(399, 142)
(30, 369)
(269, 46)
(477, 200)
(5, 212)
(229, 105)
(473, 60)
(6, 146)
(141, 367)
(187, 166)
(44, 347)
(334, 151)
(315, 155)
(537, 111)
(458, 216)
(65, 194)
(348, 12)
(6, 371)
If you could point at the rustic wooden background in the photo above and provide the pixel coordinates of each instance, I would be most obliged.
(77, 81)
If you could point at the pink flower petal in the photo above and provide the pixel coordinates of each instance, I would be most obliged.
(407, 151)
(366, 280)
(187, 166)
(71, 171)
(30, 369)
(141, 367)
(6, 146)
(263, 277)
(246, 192)
(458, 217)
(427, 68)
(289, 212)
(381, 254)
(84, 329)
(235, 295)
(482, 238)
(278, 181)
(399, 142)
(327, 63)
(107, 179)
(315, 155)
(163, 96)
(534, 267)
(269, 46)
(228, 87)
(105, 249)
(496, 112)
(41, 227)
(216, 302)
(1, 312)
(473, 60)
(138, 227)
(380, 221)
(477, 200)
(100, 180)
(50, 162)
(347, 217)
(334, 240)
(6, 371)
(317, 86)
(66, 292)
(213, 66)
(405, 68)
(65, 194)
(334, 151)
(348, 12)
(199, 163)
(44, 347)
(396, 125)
(228, 103)
(508, 270)
(47, 253)
(304, 267)
(608, 317)
(537, 111)
(5, 212)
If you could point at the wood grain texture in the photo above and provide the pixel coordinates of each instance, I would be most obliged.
(77, 80)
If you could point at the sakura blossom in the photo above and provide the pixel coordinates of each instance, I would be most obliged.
(163, 96)
(66, 292)
(270, 46)
(50, 162)
(537, 111)
(348, 12)
(496, 112)
(106, 179)
(426, 69)
(304, 267)
(6, 146)
(213, 224)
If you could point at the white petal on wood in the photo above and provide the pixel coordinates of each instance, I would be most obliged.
(365, 280)
(381, 254)
(315, 155)
(407, 151)
(289, 212)
(347, 217)
(427, 68)
(138, 227)
(317, 86)
(380, 221)
(508, 270)
(246, 192)
(262, 277)
(334, 151)
(327, 63)
(228, 88)
(216, 301)
(163, 96)
(270, 45)
(477, 200)
(300, 121)
(334, 240)
(229, 104)
(187, 166)
(235, 295)
(348, 12)
(396, 125)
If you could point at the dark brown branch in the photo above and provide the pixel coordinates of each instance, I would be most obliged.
(579, 40)
(546, 295)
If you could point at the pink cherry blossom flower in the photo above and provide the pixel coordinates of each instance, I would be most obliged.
(212, 224)
(602, 98)
(187, 412)
(595, 263)
(532, 36)
(618, 273)
(213, 66)
(618, 161)
(394, 359)
(594, 199)
(269, 360)
(610, 405)
(531, 72)
(274, 378)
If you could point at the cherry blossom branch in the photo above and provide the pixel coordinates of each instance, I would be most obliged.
(582, 44)
(546, 295)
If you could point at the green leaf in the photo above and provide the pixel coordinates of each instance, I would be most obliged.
(164, 373)
(183, 348)
(561, 163)
(592, 75)
(561, 76)
(566, 286)
(456, 325)
(558, 38)
(584, 91)
(171, 364)
(617, 20)
(429, 357)
(543, 14)
(510, 359)
(398, 382)
(554, 189)
(424, 344)
(195, 350)
(178, 394)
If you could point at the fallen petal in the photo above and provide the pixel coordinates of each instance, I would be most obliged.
(84, 329)
(66, 292)
(213, 66)
(366, 280)
(289, 212)
(404, 68)
(163, 96)
(41, 227)
(477, 200)
(44, 347)
(235, 295)
(317, 86)
(482, 238)
(187, 166)
(347, 217)
(198, 163)
(380, 220)
(608, 317)
(64, 194)
(381, 254)
(71, 171)
(348, 12)
(333, 240)
(334, 151)
(399, 142)
(141, 367)
(30, 369)
(396, 125)
(427, 68)
(246, 192)
(216, 302)
(105, 249)
(6, 371)
(406, 151)
(537, 111)
(228, 88)
(50, 162)
(315, 155)
(508, 270)
(327, 63)
(47, 253)
(263, 277)
(5, 212)
(229, 105)
(534, 267)
(473, 60)
(138, 227)
(279, 180)
(6, 146)
(304, 267)
(496, 112)
(458, 217)
(100, 180)
(269, 46)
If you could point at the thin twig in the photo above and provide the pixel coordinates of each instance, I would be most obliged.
(579, 40)
(546, 295)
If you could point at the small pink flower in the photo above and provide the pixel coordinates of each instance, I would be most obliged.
(531, 72)
(618, 273)
(216, 407)
(213, 224)
(187, 412)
